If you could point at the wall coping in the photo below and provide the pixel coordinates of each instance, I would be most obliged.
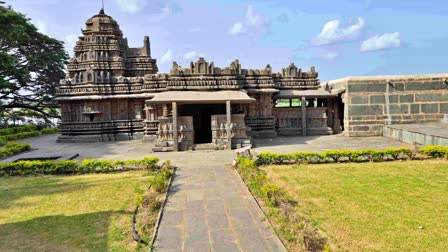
(355, 79)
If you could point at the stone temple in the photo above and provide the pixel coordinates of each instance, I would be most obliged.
(114, 92)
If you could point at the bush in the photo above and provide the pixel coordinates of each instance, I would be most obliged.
(151, 162)
(38, 167)
(49, 131)
(267, 158)
(72, 167)
(13, 148)
(159, 183)
(21, 135)
(97, 166)
(435, 151)
(17, 129)
(21, 132)
(273, 194)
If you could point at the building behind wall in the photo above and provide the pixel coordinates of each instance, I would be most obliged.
(113, 92)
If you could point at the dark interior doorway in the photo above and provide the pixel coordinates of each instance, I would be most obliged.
(340, 105)
(202, 119)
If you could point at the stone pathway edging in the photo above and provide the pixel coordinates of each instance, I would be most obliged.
(261, 209)
(162, 207)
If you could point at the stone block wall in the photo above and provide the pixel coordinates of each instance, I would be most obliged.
(371, 102)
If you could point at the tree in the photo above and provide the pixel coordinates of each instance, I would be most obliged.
(31, 65)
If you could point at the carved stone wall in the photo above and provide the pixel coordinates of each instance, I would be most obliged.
(237, 128)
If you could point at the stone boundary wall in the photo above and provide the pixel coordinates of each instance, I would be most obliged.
(412, 99)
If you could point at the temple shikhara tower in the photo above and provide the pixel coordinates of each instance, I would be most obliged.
(113, 92)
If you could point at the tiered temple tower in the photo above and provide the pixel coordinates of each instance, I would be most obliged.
(102, 53)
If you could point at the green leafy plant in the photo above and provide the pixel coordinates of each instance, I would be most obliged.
(72, 167)
(12, 148)
(435, 151)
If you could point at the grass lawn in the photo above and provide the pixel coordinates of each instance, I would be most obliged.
(373, 206)
(69, 213)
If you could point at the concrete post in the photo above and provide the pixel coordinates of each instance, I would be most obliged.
(229, 122)
(303, 116)
(175, 135)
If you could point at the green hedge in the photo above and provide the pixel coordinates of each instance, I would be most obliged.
(72, 167)
(25, 134)
(435, 151)
(49, 131)
(331, 156)
(12, 148)
(17, 129)
(21, 135)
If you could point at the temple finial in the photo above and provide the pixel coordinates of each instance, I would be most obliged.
(102, 8)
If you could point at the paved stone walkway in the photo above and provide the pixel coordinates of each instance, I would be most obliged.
(210, 209)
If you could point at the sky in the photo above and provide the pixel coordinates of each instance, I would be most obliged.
(339, 37)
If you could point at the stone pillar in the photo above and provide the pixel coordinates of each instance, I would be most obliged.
(165, 110)
(336, 120)
(330, 113)
(147, 112)
(175, 135)
(303, 116)
(229, 122)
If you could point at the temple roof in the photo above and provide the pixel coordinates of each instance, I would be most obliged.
(201, 97)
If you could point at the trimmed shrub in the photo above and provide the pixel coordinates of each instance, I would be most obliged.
(72, 167)
(435, 151)
(20, 135)
(38, 167)
(49, 131)
(267, 158)
(151, 162)
(21, 132)
(13, 148)
(17, 129)
(97, 166)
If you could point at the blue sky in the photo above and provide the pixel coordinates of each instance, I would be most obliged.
(340, 37)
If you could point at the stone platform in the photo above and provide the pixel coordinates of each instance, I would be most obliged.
(421, 133)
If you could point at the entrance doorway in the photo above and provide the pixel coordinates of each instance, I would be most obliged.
(202, 119)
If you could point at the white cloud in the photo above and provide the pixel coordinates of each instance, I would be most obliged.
(192, 55)
(164, 12)
(237, 28)
(387, 40)
(167, 57)
(130, 6)
(331, 55)
(41, 26)
(333, 31)
(253, 23)
(252, 18)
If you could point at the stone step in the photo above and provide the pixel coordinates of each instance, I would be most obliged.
(205, 146)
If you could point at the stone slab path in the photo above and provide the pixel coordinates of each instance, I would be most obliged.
(210, 209)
